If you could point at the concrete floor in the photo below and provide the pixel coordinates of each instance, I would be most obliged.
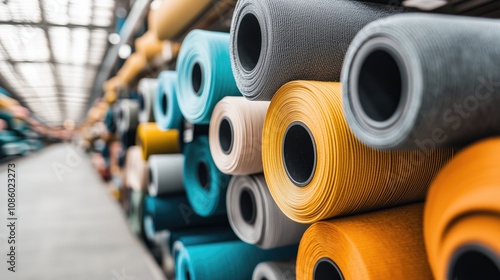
(68, 227)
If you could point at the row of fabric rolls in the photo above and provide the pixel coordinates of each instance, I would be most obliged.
(305, 142)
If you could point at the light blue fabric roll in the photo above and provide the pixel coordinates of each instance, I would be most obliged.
(226, 260)
(166, 108)
(203, 235)
(204, 74)
(205, 185)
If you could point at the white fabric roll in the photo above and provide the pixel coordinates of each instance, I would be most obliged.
(255, 217)
(127, 115)
(165, 174)
(136, 169)
(162, 238)
(235, 134)
(147, 90)
(274, 271)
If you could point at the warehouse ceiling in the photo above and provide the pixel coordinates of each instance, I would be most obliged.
(50, 51)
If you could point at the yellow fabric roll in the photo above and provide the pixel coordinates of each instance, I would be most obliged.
(155, 141)
(332, 173)
(136, 169)
(387, 244)
(462, 215)
(149, 45)
(173, 16)
(134, 64)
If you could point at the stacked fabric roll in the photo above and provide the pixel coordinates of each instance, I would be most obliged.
(166, 108)
(155, 141)
(147, 91)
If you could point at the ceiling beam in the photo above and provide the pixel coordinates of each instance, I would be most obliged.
(46, 25)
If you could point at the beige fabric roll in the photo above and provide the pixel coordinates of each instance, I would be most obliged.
(136, 169)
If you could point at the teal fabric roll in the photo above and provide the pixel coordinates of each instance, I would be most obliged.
(180, 239)
(174, 212)
(166, 108)
(204, 74)
(225, 260)
(205, 185)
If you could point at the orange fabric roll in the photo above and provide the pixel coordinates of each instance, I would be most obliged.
(173, 16)
(387, 244)
(156, 141)
(462, 215)
(315, 167)
(149, 45)
(134, 64)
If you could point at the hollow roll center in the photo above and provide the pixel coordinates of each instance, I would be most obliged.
(141, 102)
(187, 274)
(326, 269)
(121, 114)
(474, 262)
(197, 78)
(150, 176)
(299, 154)
(249, 41)
(380, 85)
(203, 175)
(164, 104)
(226, 136)
(248, 207)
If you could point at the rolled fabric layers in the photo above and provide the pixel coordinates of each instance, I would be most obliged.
(387, 244)
(210, 261)
(274, 42)
(462, 215)
(274, 271)
(127, 116)
(205, 185)
(204, 74)
(155, 141)
(147, 91)
(174, 213)
(166, 109)
(316, 169)
(255, 217)
(236, 135)
(415, 101)
(136, 169)
(165, 174)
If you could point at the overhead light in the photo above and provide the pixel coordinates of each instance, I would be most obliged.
(125, 51)
(114, 38)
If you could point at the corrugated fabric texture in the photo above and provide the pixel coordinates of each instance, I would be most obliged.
(316, 169)
(274, 42)
(439, 85)
(462, 215)
(387, 244)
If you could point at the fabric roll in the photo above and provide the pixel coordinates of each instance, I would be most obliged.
(210, 261)
(387, 244)
(236, 135)
(147, 91)
(127, 115)
(134, 64)
(135, 213)
(174, 16)
(462, 215)
(155, 141)
(204, 74)
(173, 213)
(167, 264)
(166, 108)
(165, 174)
(136, 169)
(255, 217)
(205, 185)
(316, 169)
(149, 45)
(271, 45)
(415, 101)
(274, 271)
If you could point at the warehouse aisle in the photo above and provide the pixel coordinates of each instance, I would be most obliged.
(69, 227)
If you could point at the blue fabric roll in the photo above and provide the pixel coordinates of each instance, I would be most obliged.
(226, 260)
(204, 74)
(174, 212)
(166, 108)
(197, 236)
(205, 185)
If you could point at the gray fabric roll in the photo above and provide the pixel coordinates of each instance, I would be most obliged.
(275, 271)
(147, 90)
(423, 81)
(255, 217)
(127, 117)
(274, 42)
(165, 174)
